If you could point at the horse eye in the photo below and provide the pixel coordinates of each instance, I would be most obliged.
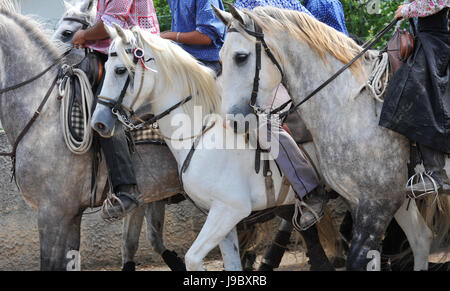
(120, 71)
(240, 58)
(67, 33)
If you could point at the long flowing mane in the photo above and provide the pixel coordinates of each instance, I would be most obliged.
(34, 30)
(320, 37)
(177, 66)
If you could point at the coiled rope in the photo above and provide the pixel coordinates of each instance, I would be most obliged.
(376, 85)
(87, 97)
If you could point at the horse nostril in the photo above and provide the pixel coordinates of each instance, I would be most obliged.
(100, 126)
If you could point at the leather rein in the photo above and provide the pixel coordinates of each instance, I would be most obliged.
(259, 35)
(117, 107)
(36, 114)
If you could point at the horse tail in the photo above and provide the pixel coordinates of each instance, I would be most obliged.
(329, 235)
(436, 212)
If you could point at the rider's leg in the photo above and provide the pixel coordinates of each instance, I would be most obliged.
(295, 166)
(434, 162)
(121, 172)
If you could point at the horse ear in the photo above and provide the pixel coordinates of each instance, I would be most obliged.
(236, 14)
(224, 16)
(120, 32)
(67, 5)
(87, 6)
(111, 31)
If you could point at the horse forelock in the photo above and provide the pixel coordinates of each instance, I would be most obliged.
(33, 30)
(320, 37)
(175, 65)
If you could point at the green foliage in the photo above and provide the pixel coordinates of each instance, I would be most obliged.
(163, 13)
(361, 21)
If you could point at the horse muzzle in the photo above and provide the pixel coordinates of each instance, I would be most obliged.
(103, 121)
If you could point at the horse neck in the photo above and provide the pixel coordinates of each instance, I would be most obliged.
(189, 125)
(22, 59)
(305, 70)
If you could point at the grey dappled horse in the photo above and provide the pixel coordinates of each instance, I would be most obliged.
(61, 196)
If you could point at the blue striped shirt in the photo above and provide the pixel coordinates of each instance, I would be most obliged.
(190, 15)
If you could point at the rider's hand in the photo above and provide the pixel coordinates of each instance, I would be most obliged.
(79, 39)
(398, 12)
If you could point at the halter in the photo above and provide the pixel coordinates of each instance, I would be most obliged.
(117, 108)
(259, 35)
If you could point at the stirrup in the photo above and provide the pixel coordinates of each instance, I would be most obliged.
(109, 203)
(298, 210)
(419, 178)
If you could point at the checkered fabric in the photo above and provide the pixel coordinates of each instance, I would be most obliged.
(77, 121)
(149, 134)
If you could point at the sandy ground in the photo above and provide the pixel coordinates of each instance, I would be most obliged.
(292, 261)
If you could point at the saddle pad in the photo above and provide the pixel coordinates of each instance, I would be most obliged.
(149, 134)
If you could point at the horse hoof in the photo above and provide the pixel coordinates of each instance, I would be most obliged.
(129, 267)
(265, 268)
(173, 261)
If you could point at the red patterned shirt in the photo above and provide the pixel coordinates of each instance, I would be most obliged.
(423, 8)
(126, 13)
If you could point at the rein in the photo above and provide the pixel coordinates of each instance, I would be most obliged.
(259, 35)
(36, 114)
(117, 106)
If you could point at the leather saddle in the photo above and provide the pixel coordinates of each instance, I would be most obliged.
(400, 47)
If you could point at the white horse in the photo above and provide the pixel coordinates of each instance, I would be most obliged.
(364, 163)
(223, 181)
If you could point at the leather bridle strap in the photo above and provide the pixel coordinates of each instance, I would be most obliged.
(367, 47)
(17, 86)
(36, 114)
(259, 35)
(79, 20)
(164, 113)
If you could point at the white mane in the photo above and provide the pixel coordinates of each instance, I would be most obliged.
(175, 65)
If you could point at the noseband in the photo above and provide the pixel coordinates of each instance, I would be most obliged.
(259, 35)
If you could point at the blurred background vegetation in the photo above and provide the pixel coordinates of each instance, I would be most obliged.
(364, 17)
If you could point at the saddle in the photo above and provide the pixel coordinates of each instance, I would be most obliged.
(400, 47)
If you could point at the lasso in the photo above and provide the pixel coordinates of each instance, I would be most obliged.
(87, 97)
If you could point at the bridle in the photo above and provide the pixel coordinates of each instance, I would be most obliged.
(84, 23)
(259, 35)
(37, 113)
(120, 110)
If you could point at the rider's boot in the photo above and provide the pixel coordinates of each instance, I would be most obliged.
(434, 163)
(312, 209)
(122, 175)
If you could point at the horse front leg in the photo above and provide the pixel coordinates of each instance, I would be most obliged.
(59, 237)
(131, 230)
(229, 248)
(155, 214)
(419, 235)
(371, 218)
(221, 220)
